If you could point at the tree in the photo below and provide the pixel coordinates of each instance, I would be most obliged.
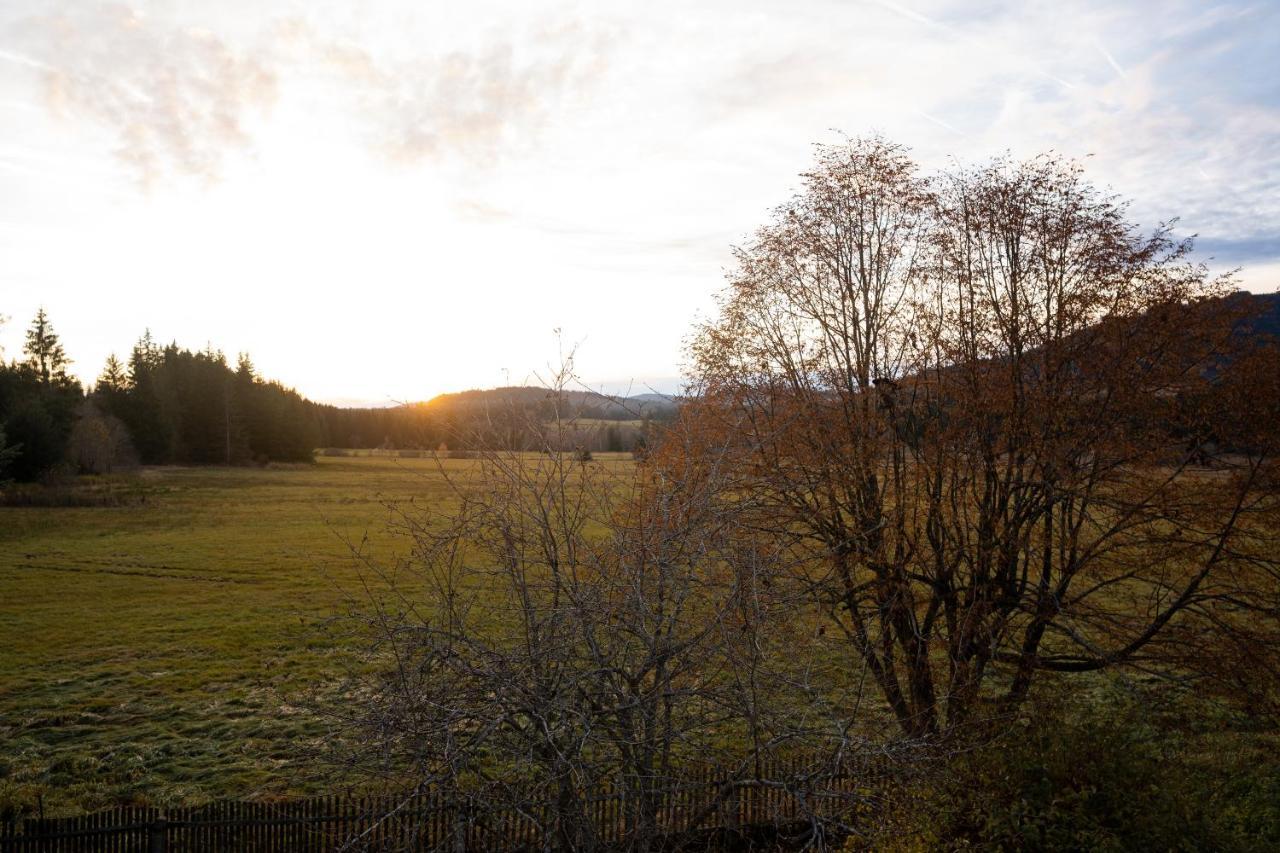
(560, 631)
(8, 452)
(114, 379)
(38, 403)
(963, 403)
(39, 439)
(143, 358)
(44, 351)
(143, 412)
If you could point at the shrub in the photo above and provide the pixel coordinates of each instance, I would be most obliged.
(39, 440)
(99, 443)
(1105, 774)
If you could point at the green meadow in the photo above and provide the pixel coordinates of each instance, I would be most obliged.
(159, 649)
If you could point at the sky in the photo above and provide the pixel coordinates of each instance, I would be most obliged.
(383, 201)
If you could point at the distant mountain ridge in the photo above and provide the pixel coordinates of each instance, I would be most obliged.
(1264, 311)
(571, 404)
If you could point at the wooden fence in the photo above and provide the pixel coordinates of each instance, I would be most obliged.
(783, 793)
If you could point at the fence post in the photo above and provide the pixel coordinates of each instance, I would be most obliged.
(459, 830)
(729, 804)
(158, 836)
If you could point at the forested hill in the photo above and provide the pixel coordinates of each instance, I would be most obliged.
(577, 404)
(170, 405)
(1263, 311)
(498, 417)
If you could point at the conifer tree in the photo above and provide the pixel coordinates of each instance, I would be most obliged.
(144, 358)
(152, 433)
(113, 379)
(44, 351)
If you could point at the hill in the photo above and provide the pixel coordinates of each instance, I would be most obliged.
(570, 404)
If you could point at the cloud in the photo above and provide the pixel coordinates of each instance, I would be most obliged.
(473, 103)
(1179, 110)
(686, 111)
(178, 99)
(1242, 250)
(174, 99)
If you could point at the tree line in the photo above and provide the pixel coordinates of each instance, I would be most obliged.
(164, 405)
(168, 405)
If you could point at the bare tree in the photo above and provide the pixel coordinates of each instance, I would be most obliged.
(556, 632)
(966, 404)
(564, 630)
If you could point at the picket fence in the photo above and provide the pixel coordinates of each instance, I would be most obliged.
(433, 820)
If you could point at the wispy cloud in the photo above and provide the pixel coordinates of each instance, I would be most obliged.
(175, 99)
(178, 99)
(1188, 124)
(472, 103)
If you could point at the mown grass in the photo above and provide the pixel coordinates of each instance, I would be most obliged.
(155, 650)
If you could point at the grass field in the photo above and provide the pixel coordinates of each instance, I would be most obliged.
(154, 650)
(161, 650)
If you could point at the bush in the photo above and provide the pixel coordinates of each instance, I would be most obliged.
(1104, 775)
(99, 443)
(39, 441)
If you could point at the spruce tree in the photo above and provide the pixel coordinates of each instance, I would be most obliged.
(44, 351)
(113, 380)
(144, 413)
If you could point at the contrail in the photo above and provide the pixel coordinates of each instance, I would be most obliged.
(968, 40)
(1111, 59)
(26, 61)
(940, 123)
(19, 59)
(906, 13)
(134, 92)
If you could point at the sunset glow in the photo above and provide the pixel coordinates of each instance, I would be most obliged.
(391, 202)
